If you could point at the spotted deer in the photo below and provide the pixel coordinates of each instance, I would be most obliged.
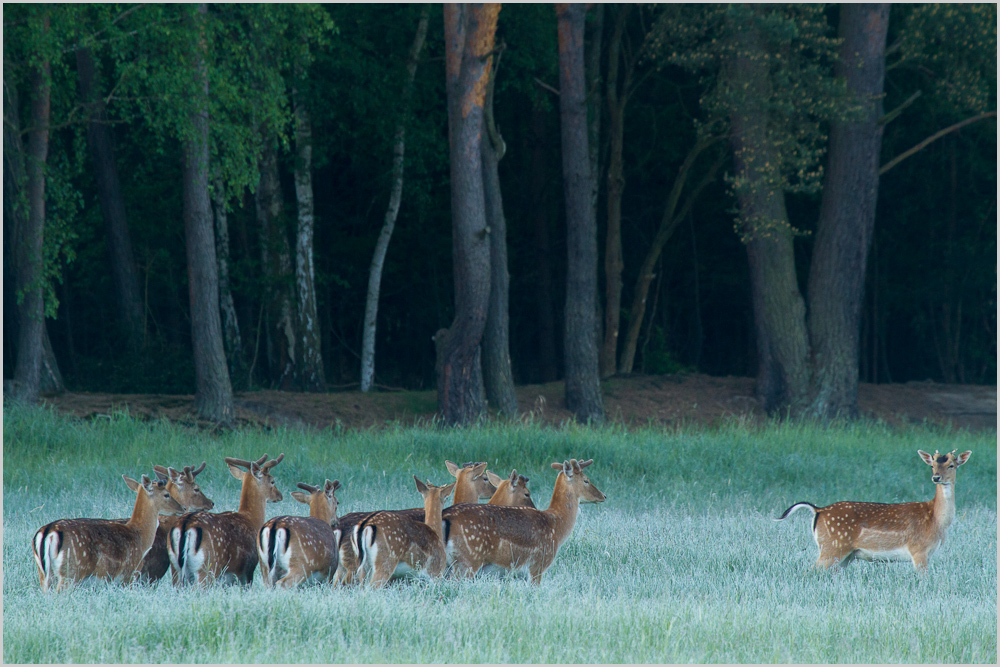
(511, 492)
(516, 538)
(879, 531)
(392, 543)
(471, 484)
(296, 549)
(72, 550)
(206, 547)
(182, 487)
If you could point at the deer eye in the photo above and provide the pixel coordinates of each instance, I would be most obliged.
(166, 495)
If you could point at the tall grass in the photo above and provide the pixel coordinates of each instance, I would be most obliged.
(681, 564)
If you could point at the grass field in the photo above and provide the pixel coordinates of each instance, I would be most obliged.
(681, 564)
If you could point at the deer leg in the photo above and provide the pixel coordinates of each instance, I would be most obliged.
(381, 574)
(294, 577)
(919, 561)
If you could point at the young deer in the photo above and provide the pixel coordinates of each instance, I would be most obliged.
(511, 492)
(391, 541)
(513, 538)
(71, 550)
(880, 531)
(182, 488)
(206, 547)
(294, 549)
(471, 484)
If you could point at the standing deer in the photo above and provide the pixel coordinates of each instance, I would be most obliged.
(880, 531)
(511, 492)
(182, 487)
(391, 541)
(513, 538)
(206, 547)
(71, 550)
(295, 549)
(471, 484)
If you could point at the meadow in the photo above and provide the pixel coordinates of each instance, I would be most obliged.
(682, 563)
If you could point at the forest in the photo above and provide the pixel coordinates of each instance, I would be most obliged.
(209, 198)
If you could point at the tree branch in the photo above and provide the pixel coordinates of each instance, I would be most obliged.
(892, 115)
(546, 86)
(934, 137)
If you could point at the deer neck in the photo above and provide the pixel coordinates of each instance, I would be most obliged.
(465, 491)
(252, 501)
(320, 509)
(563, 508)
(944, 505)
(144, 519)
(432, 512)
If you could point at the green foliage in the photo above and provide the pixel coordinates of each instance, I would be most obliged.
(698, 571)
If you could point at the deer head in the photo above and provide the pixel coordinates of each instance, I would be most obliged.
(944, 465)
(256, 476)
(512, 491)
(156, 494)
(321, 500)
(576, 482)
(472, 481)
(183, 487)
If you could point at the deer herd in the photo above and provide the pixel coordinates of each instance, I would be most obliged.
(508, 533)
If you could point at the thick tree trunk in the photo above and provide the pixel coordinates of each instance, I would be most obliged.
(779, 311)
(230, 323)
(594, 47)
(469, 35)
(614, 262)
(497, 376)
(583, 390)
(29, 239)
(395, 196)
(275, 259)
(213, 397)
(548, 366)
(310, 356)
(668, 223)
(847, 216)
(123, 272)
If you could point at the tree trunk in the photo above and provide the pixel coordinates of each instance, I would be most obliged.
(310, 357)
(275, 260)
(497, 375)
(593, 55)
(544, 299)
(109, 192)
(469, 34)
(213, 399)
(583, 390)
(668, 223)
(230, 323)
(847, 216)
(29, 239)
(779, 311)
(50, 380)
(614, 263)
(395, 196)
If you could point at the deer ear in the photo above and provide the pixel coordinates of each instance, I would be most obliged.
(174, 475)
(255, 470)
(132, 484)
(557, 466)
(301, 496)
(446, 490)
(963, 457)
(513, 477)
(494, 478)
(161, 473)
(421, 487)
(928, 459)
(568, 467)
(452, 468)
(479, 469)
(236, 471)
(146, 483)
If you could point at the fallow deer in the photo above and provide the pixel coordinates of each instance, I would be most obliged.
(71, 550)
(206, 547)
(513, 538)
(392, 543)
(511, 492)
(296, 549)
(471, 484)
(879, 531)
(183, 488)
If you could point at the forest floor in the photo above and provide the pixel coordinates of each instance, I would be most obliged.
(664, 400)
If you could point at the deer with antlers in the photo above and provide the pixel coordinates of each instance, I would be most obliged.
(295, 549)
(471, 484)
(878, 531)
(72, 550)
(206, 547)
(392, 543)
(183, 488)
(515, 538)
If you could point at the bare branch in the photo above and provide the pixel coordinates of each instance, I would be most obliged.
(546, 86)
(934, 137)
(892, 115)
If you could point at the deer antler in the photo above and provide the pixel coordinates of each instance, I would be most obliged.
(306, 487)
(194, 473)
(239, 462)
(270, 464)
